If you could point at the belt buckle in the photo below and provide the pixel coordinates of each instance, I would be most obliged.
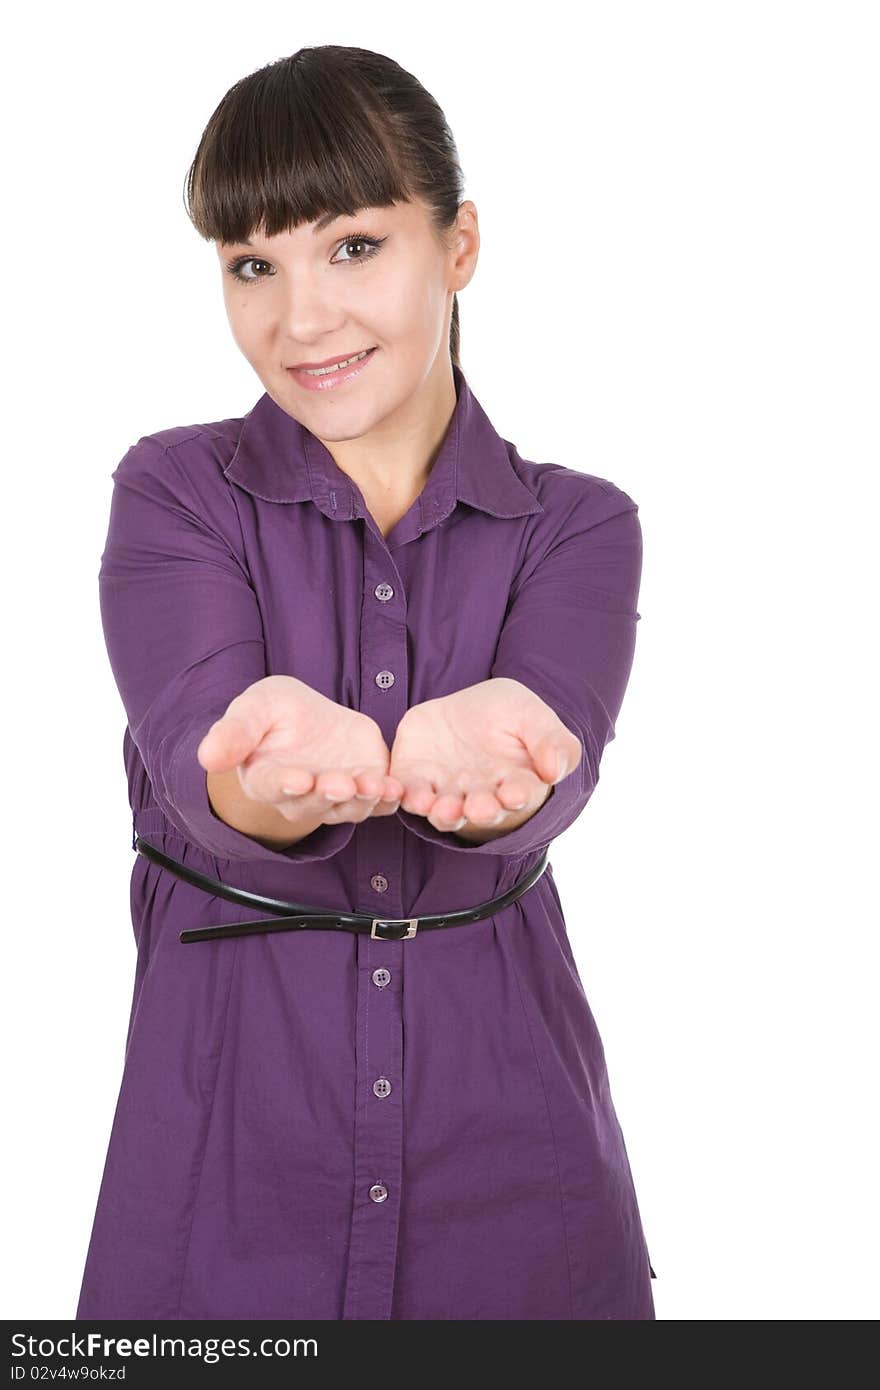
(411, 924)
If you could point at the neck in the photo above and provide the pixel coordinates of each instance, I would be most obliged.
(395, 459)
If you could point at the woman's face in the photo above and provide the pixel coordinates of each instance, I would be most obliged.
(379, 280)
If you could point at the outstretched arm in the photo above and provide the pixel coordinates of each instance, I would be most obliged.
(568, 641)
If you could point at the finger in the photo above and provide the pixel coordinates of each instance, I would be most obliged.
(370, 785)
(452, 808)
(555, 757)
(231, 739)
(261, 781)
(392, 792)
(296, 781)
(354, 809)
(292, 808)
(335, 786)
(478, 805)
(487, 804)
(393, 789)
(482, 807)
(516, 788)
(445, 822)
(327, 788)
(417, 794)
(554, 750)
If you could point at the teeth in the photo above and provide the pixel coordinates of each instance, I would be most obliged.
(323, 371)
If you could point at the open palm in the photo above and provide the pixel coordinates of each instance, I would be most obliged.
(481, 754)
(296, 749)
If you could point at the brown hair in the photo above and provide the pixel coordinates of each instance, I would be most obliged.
(324, 132)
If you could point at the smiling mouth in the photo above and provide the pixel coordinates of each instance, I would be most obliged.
(334, 366)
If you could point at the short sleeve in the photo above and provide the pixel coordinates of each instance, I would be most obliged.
(184, 634)
(569, 635)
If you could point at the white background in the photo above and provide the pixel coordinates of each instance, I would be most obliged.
(678, 291)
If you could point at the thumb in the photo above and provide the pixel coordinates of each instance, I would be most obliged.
(231, 739)
(555, 752)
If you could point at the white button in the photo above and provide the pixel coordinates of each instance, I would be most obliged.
(383, 592)
(381, 977)
(378, 1192)
(382, 1086)
(384, 679)
(379, 882)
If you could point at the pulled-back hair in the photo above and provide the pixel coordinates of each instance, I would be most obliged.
(322, 134)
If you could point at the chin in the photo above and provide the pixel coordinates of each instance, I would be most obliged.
(339, 429)
(335, 419)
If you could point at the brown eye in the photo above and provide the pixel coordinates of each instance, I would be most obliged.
(235, 268)
(372, 244)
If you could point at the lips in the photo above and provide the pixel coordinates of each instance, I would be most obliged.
(333, 377)
(328, 362)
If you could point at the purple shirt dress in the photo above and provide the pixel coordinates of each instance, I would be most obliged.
(318, 1124)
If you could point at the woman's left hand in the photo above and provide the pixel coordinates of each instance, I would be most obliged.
(484, 755)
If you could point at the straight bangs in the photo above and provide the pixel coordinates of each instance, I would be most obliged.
(294, 143)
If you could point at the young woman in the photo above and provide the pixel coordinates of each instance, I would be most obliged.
(370, 659)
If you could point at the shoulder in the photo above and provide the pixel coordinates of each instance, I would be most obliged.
(183, 454)
(583, 521)
(569, 498)
(202, 447)
(181, 469)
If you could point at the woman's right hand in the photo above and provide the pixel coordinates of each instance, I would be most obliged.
(300, 752)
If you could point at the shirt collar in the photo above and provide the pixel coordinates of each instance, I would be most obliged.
(278, 459)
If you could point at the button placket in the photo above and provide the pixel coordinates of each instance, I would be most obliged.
(378, 1131)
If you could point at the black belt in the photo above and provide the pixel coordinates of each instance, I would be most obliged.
(303, 917)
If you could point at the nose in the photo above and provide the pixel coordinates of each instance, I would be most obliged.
(309, 312)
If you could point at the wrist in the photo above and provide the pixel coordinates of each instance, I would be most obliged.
(258, 820)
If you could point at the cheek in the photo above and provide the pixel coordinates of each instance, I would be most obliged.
(407, 309)
(246, 322)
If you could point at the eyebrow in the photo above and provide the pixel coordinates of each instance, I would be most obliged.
(322, 222)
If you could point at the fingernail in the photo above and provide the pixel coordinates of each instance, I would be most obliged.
(460, 823)
(560, 766)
